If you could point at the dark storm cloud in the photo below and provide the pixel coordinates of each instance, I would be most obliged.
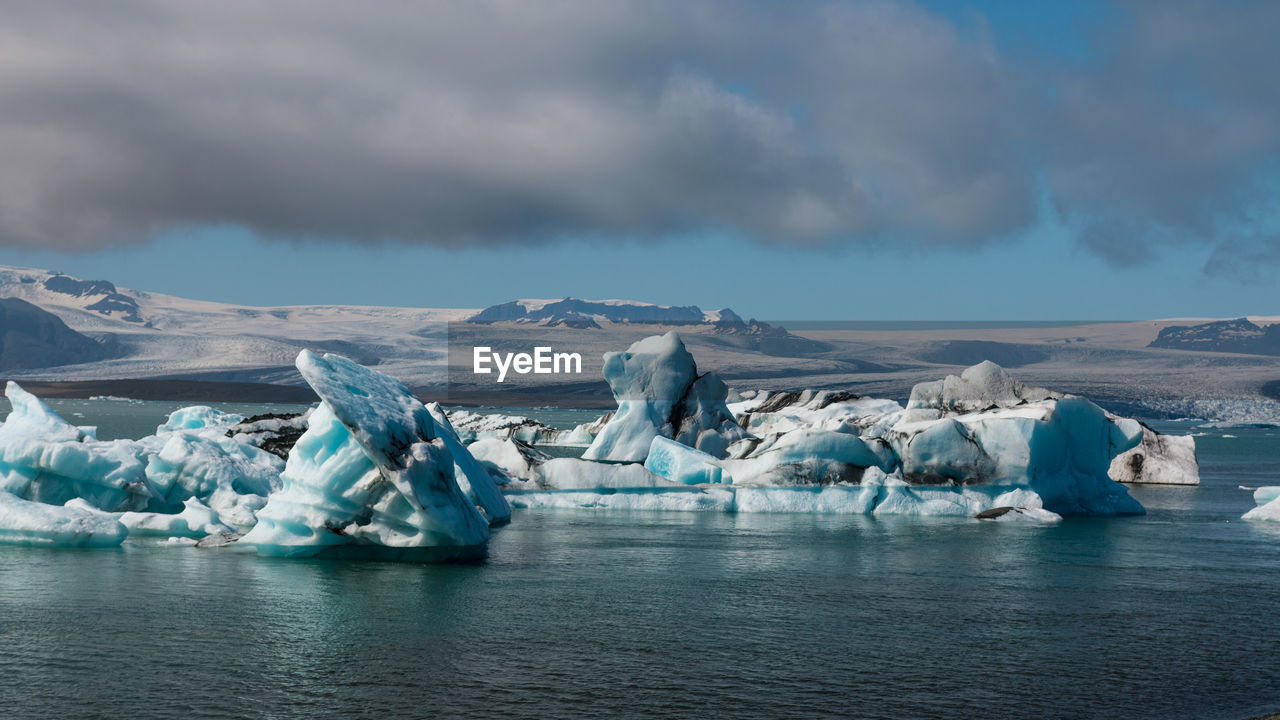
(484, 122)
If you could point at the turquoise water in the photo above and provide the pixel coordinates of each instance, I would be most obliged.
(579, 614)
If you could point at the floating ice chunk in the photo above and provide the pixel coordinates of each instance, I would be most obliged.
(374, 470)
(1008, 513)
(199, 417)
(43, 458)
(1268, 501)
(682, 464)
(195, 521)
(1061, 447)
(507, 459)
(575, 474)
(328, 484)
(660, 393)
(23, 522)
(1266, 494)
(232, 478)
(1159, 460)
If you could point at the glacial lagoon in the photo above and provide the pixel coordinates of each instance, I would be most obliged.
(578, 613)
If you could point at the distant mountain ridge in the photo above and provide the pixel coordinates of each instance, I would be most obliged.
(573, 312)
(110, 300)
(34, 338)
(1240, 335)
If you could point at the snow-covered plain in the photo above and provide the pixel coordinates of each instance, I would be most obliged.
(170, 336)
(161, 336)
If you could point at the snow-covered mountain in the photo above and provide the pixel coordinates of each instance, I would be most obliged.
(155, 335)
(573, 312)
(1240, 335)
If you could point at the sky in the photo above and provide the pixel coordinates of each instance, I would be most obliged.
(856, 160)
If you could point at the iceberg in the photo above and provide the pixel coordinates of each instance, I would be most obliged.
(1268, 501)
(232, 478)
(372, 475)
(45, 459)
(472, 477)
(24, 522)
(660, 393)
(1158, 460)
(980, 442)
(985, 428)
(153, 481)
(507, 460)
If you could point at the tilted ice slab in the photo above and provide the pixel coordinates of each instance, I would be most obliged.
(682, 464)
(474, 479)
(660, 394)
(373, 473)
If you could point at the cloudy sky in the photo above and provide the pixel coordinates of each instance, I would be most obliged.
(833, 160)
